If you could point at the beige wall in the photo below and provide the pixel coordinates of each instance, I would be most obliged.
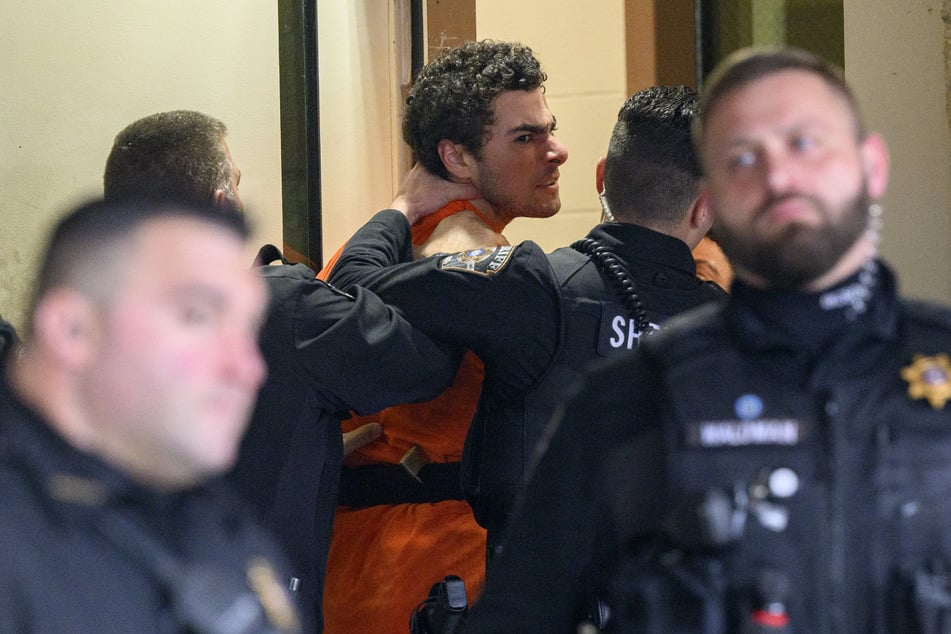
(361, 66)
(74, 73)
(895, 61)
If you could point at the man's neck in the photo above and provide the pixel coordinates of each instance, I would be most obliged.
(461, 231)
(48, 392)
(498, 219)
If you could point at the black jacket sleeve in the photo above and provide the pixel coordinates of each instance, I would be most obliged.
(503, 303)
(383, 241)
(358, 352)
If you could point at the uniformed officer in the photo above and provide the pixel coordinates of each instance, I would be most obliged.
(780, 463)
(136, 379)
(536, 319)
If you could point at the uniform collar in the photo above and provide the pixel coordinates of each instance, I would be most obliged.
(65, 473)
(634, 243)
(761, 319)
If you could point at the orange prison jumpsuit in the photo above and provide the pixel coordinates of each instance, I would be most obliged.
(383, 559)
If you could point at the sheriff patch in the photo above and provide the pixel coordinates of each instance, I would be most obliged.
(717, 434)
(618, 331)
(486, 262)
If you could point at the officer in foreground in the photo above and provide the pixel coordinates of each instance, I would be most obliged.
(778, 464)
(536, 319)
(137, 376)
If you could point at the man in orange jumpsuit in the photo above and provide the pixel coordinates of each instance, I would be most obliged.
(476, 114)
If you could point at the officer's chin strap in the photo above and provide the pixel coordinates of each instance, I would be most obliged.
(861, 294)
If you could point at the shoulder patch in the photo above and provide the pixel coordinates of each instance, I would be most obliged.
(486, 262)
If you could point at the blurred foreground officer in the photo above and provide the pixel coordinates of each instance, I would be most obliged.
(327, 352)
(780, 464)
(138, 373)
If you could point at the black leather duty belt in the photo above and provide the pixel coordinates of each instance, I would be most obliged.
(374, 485)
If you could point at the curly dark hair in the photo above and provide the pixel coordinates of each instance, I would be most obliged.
(453, 94)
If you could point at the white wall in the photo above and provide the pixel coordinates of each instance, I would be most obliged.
(75, 73)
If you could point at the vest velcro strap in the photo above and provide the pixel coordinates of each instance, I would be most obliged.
(373, 485)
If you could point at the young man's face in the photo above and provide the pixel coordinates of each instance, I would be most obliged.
(517, 170)
(787, 178)
(177, 367)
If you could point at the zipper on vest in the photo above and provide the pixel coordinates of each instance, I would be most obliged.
(830, 599)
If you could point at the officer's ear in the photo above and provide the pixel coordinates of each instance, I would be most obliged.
(66, 325)
(456, 159)
(874, 154)
(699, 220)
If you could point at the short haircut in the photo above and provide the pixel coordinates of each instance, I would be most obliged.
(750, 64)
(175, 155)
(88, 246)
(453, 95)
(651, 172)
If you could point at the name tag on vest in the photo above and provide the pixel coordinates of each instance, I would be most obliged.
(717, 434)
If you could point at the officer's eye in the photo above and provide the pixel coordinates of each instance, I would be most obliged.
(743, 159)
(195, 314)
(802, 143)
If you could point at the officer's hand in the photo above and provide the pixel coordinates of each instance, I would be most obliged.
(362, 435)
(422, 193)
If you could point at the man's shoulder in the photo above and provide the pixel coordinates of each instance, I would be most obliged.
(495, 260)
(286, 282)
(704, 319)
(927, 314)
(690, 333)
(288, 272)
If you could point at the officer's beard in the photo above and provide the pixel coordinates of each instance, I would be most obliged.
(798, 254)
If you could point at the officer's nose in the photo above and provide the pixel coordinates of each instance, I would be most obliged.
(779, 172)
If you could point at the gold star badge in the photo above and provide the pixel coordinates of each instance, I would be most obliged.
(929, 378)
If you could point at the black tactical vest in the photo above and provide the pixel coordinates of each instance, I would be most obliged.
(821, 505)
(500, 442)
